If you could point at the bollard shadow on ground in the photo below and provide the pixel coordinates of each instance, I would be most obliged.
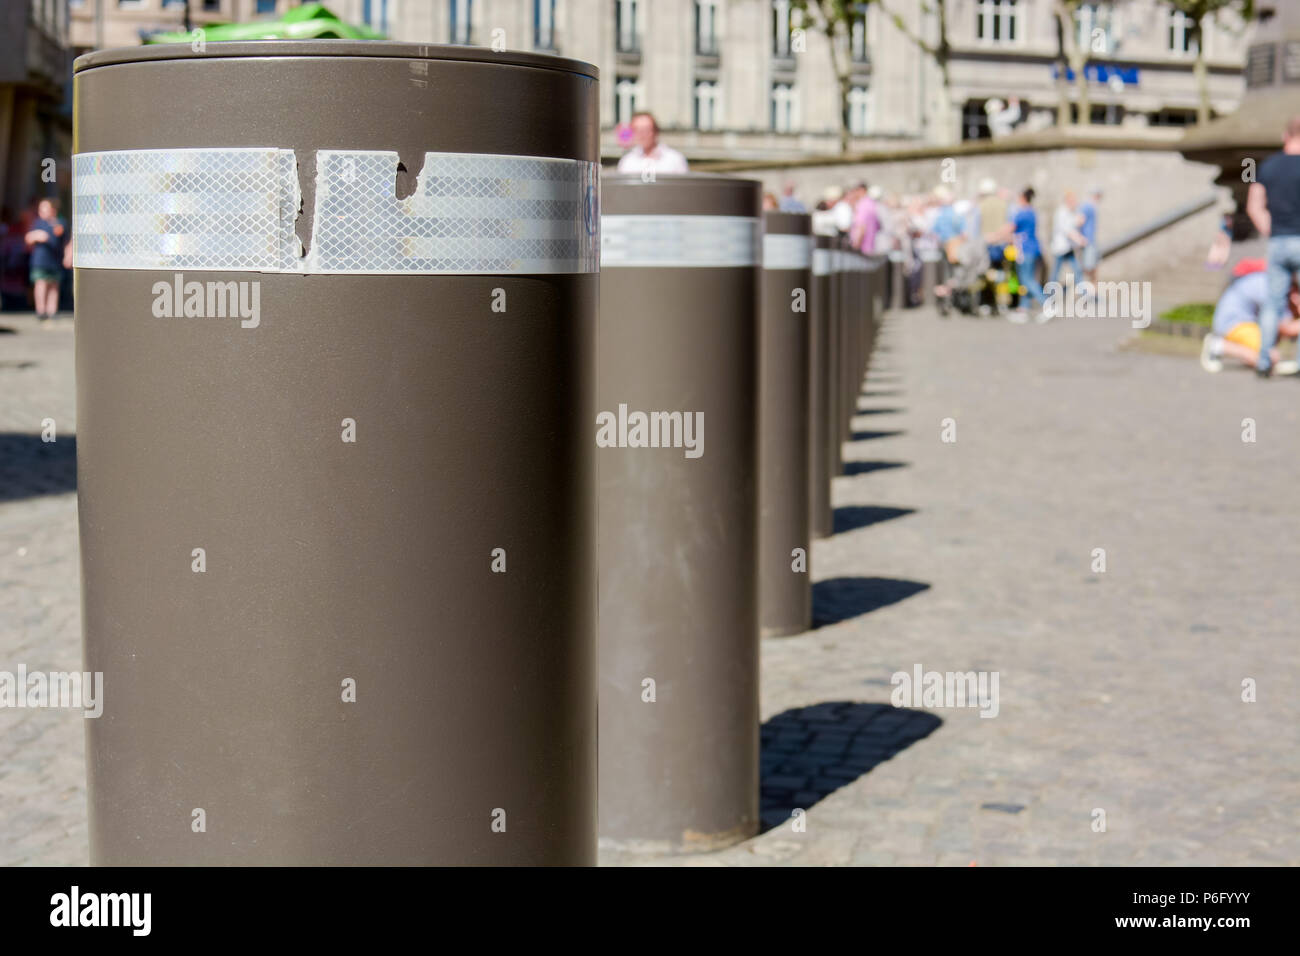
(807, 753)
(880, 392)
(867, 467)
(869, 435)
(30, 467)
(863, 408)
(838, 599)
(852, 517)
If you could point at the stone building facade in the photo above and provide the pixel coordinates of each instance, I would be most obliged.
(754, 79)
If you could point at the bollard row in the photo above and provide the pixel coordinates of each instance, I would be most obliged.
(699, 558)
(406, 447)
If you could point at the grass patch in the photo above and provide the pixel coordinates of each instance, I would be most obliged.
(1197, 313)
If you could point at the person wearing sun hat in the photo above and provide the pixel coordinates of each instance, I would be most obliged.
(1235, 332)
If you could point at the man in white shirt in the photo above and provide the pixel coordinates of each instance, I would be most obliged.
(844, 210)
(823, 217)
(647, 153)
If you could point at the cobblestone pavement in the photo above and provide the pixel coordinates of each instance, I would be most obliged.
(42, 769)
(1119, 691)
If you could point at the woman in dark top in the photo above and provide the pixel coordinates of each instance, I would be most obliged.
(46, 240)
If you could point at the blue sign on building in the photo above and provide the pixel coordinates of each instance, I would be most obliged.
(1103, 73)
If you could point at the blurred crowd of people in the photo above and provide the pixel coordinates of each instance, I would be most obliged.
(989, 243)
(994, 262)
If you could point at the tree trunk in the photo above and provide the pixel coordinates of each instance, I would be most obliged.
(941, 57)
(1200, 69)
(946, 107)
(1079, 63)
(1062, 96)
(842, 78)
(845, 88)
(1062, 82)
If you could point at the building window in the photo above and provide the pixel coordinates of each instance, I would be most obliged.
(1173, 117)
(627, 28)
(462, 22)
(997, 21)
(781, 28)
(544, 24)
(212, 6)
(1180, 33)
(1096, 27)
(974, 121)
(708, 105)
(859, 111)
(858, 38)
(784, 113)
(1290, 61)
(265, 6)
(374, 14)
(627, 98)
(1107, 114)
(706, 27)
(1261, 65)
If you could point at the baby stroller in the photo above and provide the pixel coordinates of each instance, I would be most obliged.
(968, 285)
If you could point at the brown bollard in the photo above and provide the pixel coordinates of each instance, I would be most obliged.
(842, 359)
(335, 461)
(897, 282)
(841, 341)
(929, 278)
(879, 273)
(855, 344)
(834, 326)
(784, 579)
(820, 424)
(679, 717)
(864, 330)
(868, 326)
(852, 337)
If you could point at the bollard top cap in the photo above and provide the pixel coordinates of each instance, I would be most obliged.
(680, 194)
(352, 48)
(779, 223)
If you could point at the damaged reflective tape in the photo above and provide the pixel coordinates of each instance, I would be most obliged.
(470, 214)
(670, 242)
(236, 209)
(787, 251)
(183, 208)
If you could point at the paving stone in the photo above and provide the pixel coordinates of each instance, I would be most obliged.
(1118, 690)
